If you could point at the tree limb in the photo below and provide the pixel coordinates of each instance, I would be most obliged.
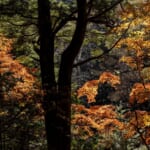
(105, 52)
(73, 48)
(63, 22)
(23, 24)
(105, 11)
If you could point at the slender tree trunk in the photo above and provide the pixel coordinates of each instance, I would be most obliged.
(65, 73)
(47, 71)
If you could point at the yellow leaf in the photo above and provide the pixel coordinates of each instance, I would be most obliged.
(146, 119)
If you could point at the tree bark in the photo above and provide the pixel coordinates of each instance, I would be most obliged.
(46, 39)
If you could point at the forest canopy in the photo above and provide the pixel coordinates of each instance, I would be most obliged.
(74, 75)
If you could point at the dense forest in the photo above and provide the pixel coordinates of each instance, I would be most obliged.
(75, 75)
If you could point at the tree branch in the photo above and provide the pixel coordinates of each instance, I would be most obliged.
(105, 52)
(63, 22)
(23, 24)
(73, 48)
(91, 19)
(90, 4)
(105, 11)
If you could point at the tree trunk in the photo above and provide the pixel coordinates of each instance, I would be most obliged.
(47, 71)
(65, 74)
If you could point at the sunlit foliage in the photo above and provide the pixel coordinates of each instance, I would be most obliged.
(140, 93)
(134, 122)
(90, 88)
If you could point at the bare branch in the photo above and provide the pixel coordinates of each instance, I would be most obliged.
(105, 11)
(90, 4)
(27, 16)
(23, 24)
(91, 19)
(73, 48)
(105, 52)
(64, 21)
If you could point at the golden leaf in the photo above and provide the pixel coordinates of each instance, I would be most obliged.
(146, 119)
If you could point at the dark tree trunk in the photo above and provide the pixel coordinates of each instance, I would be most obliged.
(47, 71)
(57, 97)
(65, 73)
(46, 45)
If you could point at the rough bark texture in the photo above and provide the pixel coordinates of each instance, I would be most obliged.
(57, 97)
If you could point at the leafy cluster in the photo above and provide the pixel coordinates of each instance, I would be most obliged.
(21, 120)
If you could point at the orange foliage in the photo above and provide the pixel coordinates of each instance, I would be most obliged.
(129, 61)
(5, 44)
(24, 80)
(139, 120)
(139, 93)
(110, 78)
(138, 124)
(102, 119)
(137, 19)
(90, 87)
